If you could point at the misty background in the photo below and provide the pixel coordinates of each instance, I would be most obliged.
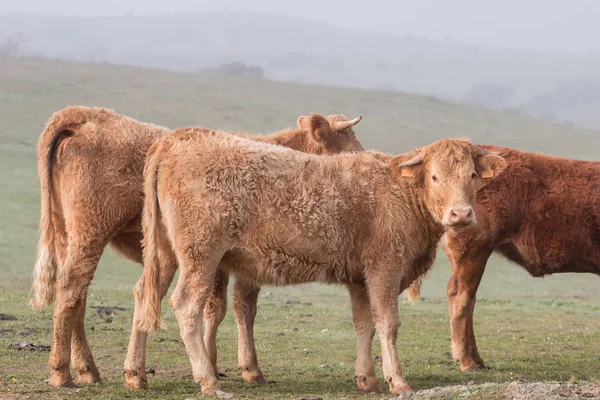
(536, 57)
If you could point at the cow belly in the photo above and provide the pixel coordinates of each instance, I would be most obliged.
(539, 263)
(277, 268)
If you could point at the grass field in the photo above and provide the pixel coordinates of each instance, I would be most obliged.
(527, 329)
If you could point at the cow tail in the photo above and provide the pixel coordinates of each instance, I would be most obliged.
(150, 316)
(42, 290)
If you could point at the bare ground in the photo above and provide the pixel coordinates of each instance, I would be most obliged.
(513, 391)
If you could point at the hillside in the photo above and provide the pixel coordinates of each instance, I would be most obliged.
(528, 329)
(300, 50)
(30, 90)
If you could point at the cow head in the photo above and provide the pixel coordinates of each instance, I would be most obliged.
(331, 135)
(448, 173)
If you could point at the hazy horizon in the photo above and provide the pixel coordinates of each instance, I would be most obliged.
(546, 26)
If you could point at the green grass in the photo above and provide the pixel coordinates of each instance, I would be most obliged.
(527, 329)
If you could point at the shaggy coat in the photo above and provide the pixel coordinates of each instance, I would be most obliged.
(316, 135)
(90, 163)
(543, 213)
(276, 216)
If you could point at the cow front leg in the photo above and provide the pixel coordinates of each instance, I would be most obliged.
(245, 304)
(366, 380)
(462, 289)
(214, 313)
(383, 293)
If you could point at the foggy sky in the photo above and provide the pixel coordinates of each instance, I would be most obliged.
(544, 25)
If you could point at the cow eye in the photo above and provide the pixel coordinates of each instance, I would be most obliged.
(434, 178)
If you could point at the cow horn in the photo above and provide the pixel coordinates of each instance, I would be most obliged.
(341, 125)
(413, 161)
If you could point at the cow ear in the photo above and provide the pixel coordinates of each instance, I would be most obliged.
(490, 165)
(319, 128)
(303, 123)
(409, 165)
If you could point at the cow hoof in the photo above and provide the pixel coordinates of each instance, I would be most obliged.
(369, 384)
(59, 382)
(134, 380)
(212, 390)
(253, 377)
(473, 368)
(88, 378)
(210, 386)
(400, 389)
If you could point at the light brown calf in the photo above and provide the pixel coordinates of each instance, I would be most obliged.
(276, 216)
(317, 135)
(90, 163)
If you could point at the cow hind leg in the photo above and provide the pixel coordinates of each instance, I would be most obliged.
(81, 353)
(214, 313)
(196, 280)
(135, 361)
(366, 380)
(77, 272)
(245, 300)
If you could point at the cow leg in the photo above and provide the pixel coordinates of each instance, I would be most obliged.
(366, 380)
(81, 355)
(245, 300)
(467, 271)
(214, 313)
(196, 280)
(135, 361)
(76, 275)
(383, 293)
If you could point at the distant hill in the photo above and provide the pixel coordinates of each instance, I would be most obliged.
(31, 90)
(299, 50)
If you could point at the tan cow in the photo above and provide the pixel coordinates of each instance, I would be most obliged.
(90, 163)
(276, 216)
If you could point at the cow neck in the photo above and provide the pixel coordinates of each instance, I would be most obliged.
(417, 198)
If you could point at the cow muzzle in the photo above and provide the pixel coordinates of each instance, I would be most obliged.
(459, 217)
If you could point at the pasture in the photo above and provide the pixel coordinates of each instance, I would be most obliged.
(527, 329)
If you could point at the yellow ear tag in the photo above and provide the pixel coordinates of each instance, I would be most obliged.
(487, 174)
(407, 173)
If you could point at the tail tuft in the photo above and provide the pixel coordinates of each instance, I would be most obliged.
(44, 277)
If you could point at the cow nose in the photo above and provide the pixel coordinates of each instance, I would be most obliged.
(460, 216)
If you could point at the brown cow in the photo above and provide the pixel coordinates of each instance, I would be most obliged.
(543, 213)
(276, 216)
(90, 163)
(317, 135)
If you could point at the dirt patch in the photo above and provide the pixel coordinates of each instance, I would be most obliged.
(6, 317)
(30, 346)
(551, 391)
(309, 398)
(107, 312)
(292, 302)
(512, 391)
